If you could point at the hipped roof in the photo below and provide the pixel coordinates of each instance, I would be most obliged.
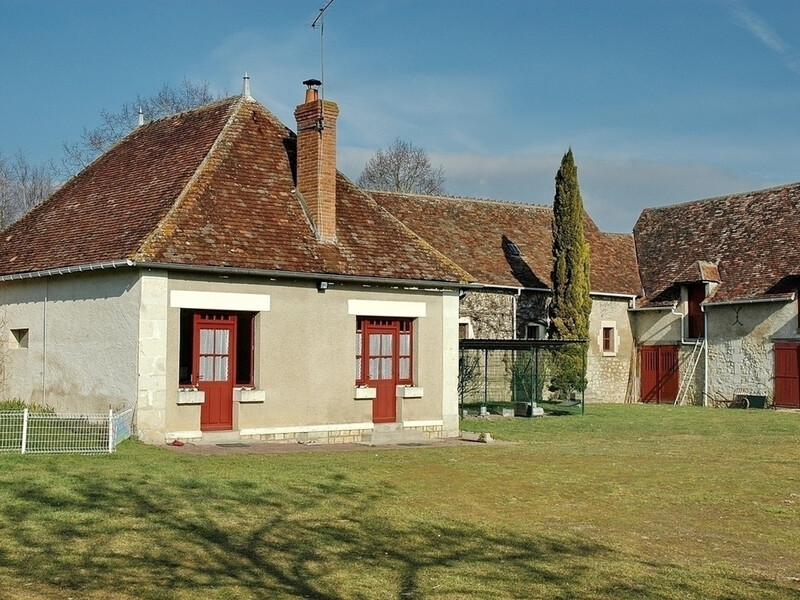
(213, 187)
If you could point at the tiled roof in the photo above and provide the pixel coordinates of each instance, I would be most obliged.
(478, 235)
(212, 187)
(752, 238)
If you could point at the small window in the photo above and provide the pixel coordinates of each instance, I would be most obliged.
(19, 338)
(465, 328)
(608, 339)
(534, 331)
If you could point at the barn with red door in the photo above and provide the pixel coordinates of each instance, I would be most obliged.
(721, 279)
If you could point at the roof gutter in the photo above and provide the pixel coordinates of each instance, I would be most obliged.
(670, 307)
(330, 277)
(788, 298)
(517, 290)
(360, 279)
(100, 266)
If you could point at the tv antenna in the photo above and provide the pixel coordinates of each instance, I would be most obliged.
(321, 20)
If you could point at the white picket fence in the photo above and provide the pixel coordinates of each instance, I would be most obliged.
(29, 432)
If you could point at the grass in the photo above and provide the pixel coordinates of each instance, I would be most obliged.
(624, 502)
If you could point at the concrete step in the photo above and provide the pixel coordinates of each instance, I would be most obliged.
(389, 434)
(220, 437)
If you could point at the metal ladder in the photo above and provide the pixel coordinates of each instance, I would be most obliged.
(694, 359)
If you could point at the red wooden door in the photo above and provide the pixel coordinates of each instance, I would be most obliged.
(385, 361)
(697, 293)
(381, 351)
(214, 366)
(787, 375)
(659, 374)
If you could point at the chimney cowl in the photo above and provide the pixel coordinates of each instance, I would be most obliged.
(312, 90)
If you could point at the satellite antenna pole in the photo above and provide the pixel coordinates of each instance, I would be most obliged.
(321, 20)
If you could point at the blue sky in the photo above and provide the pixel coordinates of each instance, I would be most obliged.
(661, 101)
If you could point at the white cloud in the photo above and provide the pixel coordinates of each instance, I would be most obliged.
(762, 31)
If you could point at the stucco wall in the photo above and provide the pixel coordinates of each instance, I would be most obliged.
(609, 373)
(82, 340)
(305, 359)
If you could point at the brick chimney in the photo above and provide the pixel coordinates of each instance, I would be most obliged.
(316, 159)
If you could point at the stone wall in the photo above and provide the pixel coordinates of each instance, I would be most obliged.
(609, 373)
(490, 314)
(741, 346)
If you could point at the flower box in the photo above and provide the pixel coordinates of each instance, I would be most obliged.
(249, 396)
(190, 396)
(409, 391)
(365, 393)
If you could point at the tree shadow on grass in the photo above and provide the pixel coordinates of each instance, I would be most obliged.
(327, 538)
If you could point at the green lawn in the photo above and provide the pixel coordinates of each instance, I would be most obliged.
(624, 502)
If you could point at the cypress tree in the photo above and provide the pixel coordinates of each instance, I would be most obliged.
(571, 304)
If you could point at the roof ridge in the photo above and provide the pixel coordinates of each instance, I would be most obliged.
(719, 197)
(236, 106)
(452, 197)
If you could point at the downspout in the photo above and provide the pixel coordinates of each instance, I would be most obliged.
(705, 355)
(681, 315)
(514, 300)
(44, 342)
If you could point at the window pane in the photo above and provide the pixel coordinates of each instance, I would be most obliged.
(386, 368)
(359, 343)
(386, 344)
(374, 344)
(374, 368)
(221, 373)
(206, 368)
(405, 368)
(358, 368)
(221, 346)
(405, 344)
(206, 341)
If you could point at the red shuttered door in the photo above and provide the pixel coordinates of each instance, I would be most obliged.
(659, 370)
(787, 375)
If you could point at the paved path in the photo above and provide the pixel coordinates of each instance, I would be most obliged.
(263, 448)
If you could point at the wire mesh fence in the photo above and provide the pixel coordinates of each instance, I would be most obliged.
(29, 432)
(522, 375)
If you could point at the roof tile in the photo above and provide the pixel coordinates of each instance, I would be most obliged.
(751, 237)
(477, 235)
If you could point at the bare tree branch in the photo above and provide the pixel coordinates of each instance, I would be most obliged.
(114, 126)
(402, 167)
